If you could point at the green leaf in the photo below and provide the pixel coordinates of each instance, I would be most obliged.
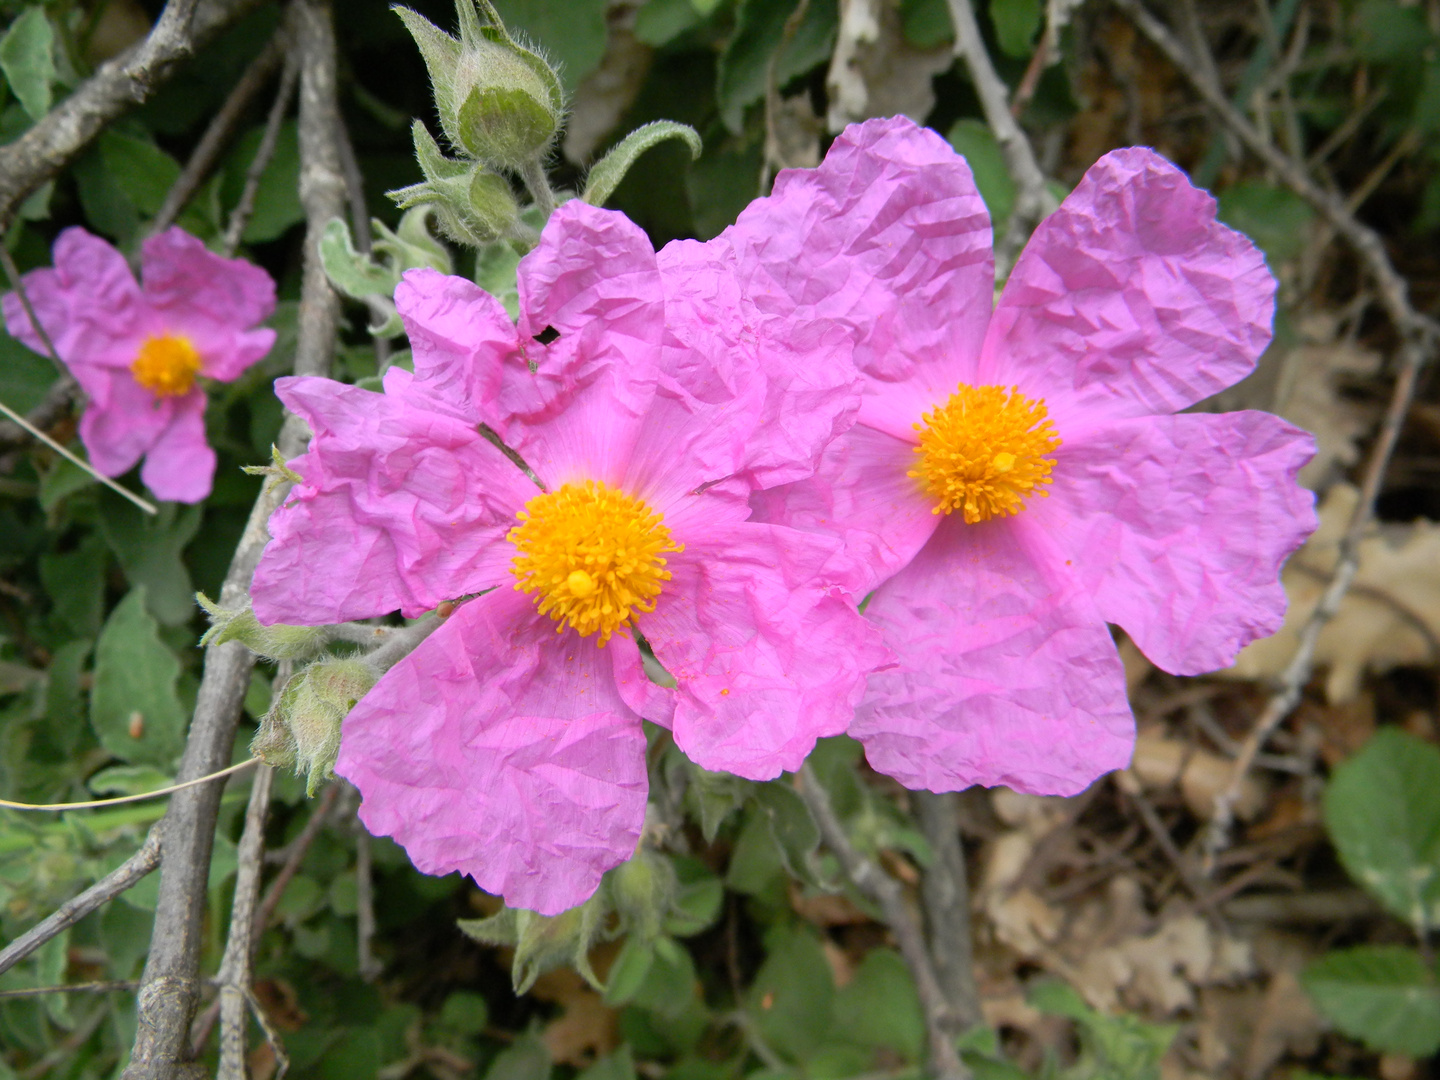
(64, 699)
(793, 993)
(794, 831)
(75, 583)
(975, 142)
(759, 28)
(570, 33)
(495, 267)
(1382, 808)
(605, 177)
(128, 780)
(277, 198)
(25, 376)
(27, 57)
(1381, 994)
(464, 1013)
(661, 21)
(524, 1059)
(926, 23)
(1120, 1047)
(1276, 218)
(1387, 31)
(355, 274)
(698, 900)
(629, 970)
(879, 1007)
(714, 796)
(1016, 24)
(617, 1066)
(63, 478)
(134, 690)
(149, 549)
(107, 208)
(142, 171)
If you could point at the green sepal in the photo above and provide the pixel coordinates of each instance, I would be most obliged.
(441, 54)
(505, 125)
(542, 942)
(605, 177)
(277, 642)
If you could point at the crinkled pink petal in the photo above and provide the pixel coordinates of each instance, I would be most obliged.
(1130, 300)
(861, 492)
(776, 388)
(768, 653)
(592, 281)
(123, 420)
(188, 283)
(1178, 527)
(890, 236)
(88, 304)
(500, 749)
(401, 508)
(180, 466)
(226, 352)
(1002, 676)
(644, 697)
(467, 351)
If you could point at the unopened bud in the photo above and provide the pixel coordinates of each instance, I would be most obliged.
(277, 642)
(472, 205)
(302, 729)
(499, 101)
(542, 942)
(643, 892)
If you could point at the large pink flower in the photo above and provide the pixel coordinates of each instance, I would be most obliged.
(509, 745)
(1016, 478)
(138, 352)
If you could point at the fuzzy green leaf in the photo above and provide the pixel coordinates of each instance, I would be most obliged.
(1381, 994)
(605, 177)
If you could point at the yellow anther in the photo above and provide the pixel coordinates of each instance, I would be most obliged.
(593, 554)
(983, 452)
(166, 366)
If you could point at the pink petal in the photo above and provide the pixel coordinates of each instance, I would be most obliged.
(890, 236)
(1178, 526)
(123, 420)
(1130, 300)
(500, 749)
(467, 351)
(88, 303)
(189, 284)
(1003, 677)
(401, 508)
(645, 698)
(592, 280)
(180, 466)
(861, 493)
(768, 653)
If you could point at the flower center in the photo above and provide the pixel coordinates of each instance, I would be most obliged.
(166, 366)
(593, 554)
(983, 451)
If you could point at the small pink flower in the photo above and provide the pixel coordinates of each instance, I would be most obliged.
(509, 744)
(138, 353)
(1016, 478)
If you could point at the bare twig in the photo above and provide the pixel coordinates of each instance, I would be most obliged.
(885, 891)
(240, 216)
(218, 133)
(234, 977)
(1033, 199)
(117, 86)
(170, 986)
(76, 460)
(71, 988)
(72, 911)
(772, 158)
(945, 892)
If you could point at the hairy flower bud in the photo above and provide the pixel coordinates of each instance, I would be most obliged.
(643, 892)
(302, 729)
(543, 942)
(472, 205)
(499, 102)
(276, 642)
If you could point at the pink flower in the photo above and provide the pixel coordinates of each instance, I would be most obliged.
(138, 352)
(509, 744)
(1016, 478)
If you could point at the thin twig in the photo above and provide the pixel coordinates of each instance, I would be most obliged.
(80, 462)
(171, 987)
(58, 401)
(945, 892)
(72, 911)
(93, 804)
(885, 891)
(771, 158)
(117, 86)
(1033, 199)
(218, 133)
(234, 977)
(240, 216)
(72, 988)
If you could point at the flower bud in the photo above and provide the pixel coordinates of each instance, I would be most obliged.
(643, 892)
(542, 942)
(472, 205)
(278, 642)
(302, 729)
(498, 101)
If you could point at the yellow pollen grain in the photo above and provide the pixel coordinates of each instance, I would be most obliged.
(593, 554)
(983, 452)
(166, 365)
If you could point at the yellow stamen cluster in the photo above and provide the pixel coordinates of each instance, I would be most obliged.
(593, 554)
(983, 452)
(166, 366)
